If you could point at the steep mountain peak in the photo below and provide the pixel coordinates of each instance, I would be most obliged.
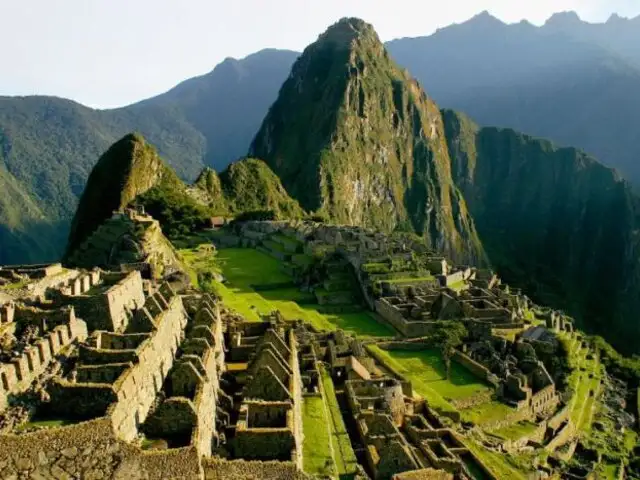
(348, 29)
(127, 169)
(354, 138)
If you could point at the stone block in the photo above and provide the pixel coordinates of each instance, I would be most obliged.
(21, 366)
(8, 378)
(44, 351)
(54, 342)
(63, 335)
(33, 359)
(86, 283)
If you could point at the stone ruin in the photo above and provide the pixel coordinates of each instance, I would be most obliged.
(399, 435)
(263, 408)
(107, 375)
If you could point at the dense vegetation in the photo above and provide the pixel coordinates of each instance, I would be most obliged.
(355, 139)
(555, 222)
(129, 168)
(249, 185)
(177, 212)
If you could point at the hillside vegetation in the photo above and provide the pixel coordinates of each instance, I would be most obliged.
(554, 221)
(354, 138)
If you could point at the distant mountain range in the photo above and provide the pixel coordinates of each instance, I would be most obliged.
(352, 138)
(572, 82)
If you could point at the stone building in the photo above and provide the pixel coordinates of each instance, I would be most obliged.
(400, 436)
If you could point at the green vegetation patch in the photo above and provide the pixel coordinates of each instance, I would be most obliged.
(245, 266)
(44, 423)
(427, 367)
(401, 280)
(515, 431)
(403, 369)
(246, 270)
(343, 451)
(317, 450)
(486, 413)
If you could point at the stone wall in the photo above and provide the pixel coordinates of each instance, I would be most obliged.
(18, 374)
(7, 312)
(124, 297)
(36, 271)
(563, 436)
(137, 387)
(110, 310)
(91, 451)
(219, 469)
(476, 368)
(397, 320)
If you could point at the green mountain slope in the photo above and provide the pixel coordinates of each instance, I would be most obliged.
(554, 221)
(573, 82)
(25, 232)
(129, 168)
(353, 137)
(51, 144)
(250, 185)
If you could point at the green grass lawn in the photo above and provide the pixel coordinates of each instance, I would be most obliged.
(515, 431)
(317, 455)
(44, 423)
(427, 367)
(345, 458)
(245, 268)
(486, 412)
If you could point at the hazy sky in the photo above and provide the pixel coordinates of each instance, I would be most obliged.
(107, 53)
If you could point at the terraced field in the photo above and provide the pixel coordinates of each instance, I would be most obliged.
(255, 284)
(345, 458)
(317, 448)
(427, 373)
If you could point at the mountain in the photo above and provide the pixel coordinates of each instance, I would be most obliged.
(228, 104)
(563, 81)
(353, 137)
(49, 145)
(131, 173)
(245, 186)
(617, 34)
(129, 168)
(554, 221)
(250, 185)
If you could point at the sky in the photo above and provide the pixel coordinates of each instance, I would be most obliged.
(110, 53)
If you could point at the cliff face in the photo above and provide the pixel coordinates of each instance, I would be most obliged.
(129, 168)
(353, 137)
(554, 221)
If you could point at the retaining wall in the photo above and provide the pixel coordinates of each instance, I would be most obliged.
(17, 375)
(91, 451)
(476, 368)
(137, 387)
